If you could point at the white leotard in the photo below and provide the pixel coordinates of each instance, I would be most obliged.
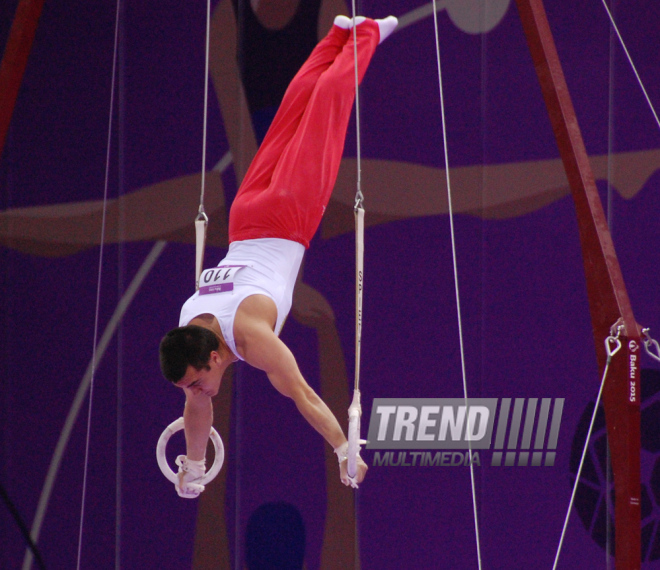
(271, 268)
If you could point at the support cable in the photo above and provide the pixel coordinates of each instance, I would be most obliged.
(99, 350)
(625, 49)
(355, 409)
(612, 346)
(202, 220)
(458, 301)
(81, 393)
(99, 282)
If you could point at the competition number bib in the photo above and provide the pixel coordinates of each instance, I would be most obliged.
(218, 279)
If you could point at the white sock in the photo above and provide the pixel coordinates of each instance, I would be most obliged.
(343, 22)
(386, 26)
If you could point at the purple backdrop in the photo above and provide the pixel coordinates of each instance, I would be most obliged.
(524, 307)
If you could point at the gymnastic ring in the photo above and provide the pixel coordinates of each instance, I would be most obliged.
(171, 429)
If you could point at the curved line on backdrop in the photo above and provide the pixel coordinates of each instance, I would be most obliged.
(99, 349)
(72, 416)
(79, 398)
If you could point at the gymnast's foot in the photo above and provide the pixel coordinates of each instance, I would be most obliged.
(386, 26)
(347, 23)
(343, 22)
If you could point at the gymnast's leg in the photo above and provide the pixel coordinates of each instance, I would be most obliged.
(291, 110)
(308, 168)
(304, 173)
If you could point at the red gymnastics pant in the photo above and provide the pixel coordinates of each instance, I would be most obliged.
(289, 183)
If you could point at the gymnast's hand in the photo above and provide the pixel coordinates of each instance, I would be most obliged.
(359, 477)
(190, 473)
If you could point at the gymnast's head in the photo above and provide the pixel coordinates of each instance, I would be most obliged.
(192, 357)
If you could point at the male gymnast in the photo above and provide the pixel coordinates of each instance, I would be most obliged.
(241, 305)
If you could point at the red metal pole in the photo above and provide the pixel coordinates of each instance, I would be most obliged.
(608, 298)
(14, 60)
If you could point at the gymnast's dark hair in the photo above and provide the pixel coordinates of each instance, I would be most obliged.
(183, 346)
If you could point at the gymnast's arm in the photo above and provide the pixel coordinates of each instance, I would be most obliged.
(198, 420)
(261, 348)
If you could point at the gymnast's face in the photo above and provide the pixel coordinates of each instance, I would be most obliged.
(207, 380)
